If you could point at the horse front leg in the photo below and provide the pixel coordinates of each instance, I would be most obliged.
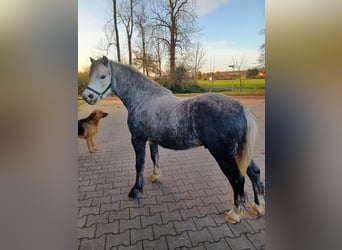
(139, 149)
(253, 172)
(155, 159)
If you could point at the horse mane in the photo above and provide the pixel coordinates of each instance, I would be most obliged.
(138, 81)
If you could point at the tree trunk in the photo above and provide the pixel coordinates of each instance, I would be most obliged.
(116, 31)
(129, 35)
(173, 29)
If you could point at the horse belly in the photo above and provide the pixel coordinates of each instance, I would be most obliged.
(177, 139)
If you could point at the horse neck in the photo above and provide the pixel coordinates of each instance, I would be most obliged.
(132, 87)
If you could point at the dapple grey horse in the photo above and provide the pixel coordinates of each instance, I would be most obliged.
(217, 122)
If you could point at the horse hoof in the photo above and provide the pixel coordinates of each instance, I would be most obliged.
(234, 217)
(133, 194)
(155, 176)
(258, 209)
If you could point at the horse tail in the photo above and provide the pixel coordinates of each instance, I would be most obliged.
(245, 152)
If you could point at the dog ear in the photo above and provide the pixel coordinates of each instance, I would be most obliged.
(92, 60)
(104, 61)
(93, 115)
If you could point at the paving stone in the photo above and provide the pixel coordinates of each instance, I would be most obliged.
(85, 203)
(212, 199)
(86, 232)
(128, 204)
(118, 239)
(240, 243)
(179, 240)
(200, 246)
(219, 245)
(102, 200)
(158, 208)
(258, 239)
(87, 188)
(240, 228)
(100, 218)
(171, 216)
(129, 224)
(164, 198)
(158, 244)
(89, 210)
(112, 191)
(107, 228)
(134, 212)
(209, 209)
(145, 201)
(204, 222)
(221, 232)
(93, 194)
(151, 220)
(197, 193)
(194, 202)
(257, 224)
(191, 212)
(109, 207)
(162, 230)
(200, 236)
(141, 234)
(117, 215)
(138, 246)
(92, 244)
(104, 186)
(82, 221)
(186, 225)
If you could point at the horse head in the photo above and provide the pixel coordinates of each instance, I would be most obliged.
(100, 81)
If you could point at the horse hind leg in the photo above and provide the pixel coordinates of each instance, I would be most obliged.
(237, 181)
(156, 174)
(253, 172)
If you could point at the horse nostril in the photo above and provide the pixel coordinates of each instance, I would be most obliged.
(90, 96)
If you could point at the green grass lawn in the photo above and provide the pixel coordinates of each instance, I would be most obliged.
(79, 103)
(252, 86)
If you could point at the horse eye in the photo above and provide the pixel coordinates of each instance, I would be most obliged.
(103, 77)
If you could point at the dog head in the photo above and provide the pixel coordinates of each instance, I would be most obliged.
(98, 114)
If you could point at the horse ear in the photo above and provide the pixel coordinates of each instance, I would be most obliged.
(92, 60)
(104, 60)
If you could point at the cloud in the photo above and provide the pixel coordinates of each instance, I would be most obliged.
(204, 7)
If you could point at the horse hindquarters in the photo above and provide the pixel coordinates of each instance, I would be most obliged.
(228, 131)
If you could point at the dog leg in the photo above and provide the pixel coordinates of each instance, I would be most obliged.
(93, 143)
(89, 144)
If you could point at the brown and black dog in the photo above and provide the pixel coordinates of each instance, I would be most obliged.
(88, 127)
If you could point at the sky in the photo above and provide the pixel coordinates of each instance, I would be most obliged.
(229, 28)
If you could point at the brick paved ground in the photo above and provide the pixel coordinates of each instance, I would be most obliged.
(185, 210)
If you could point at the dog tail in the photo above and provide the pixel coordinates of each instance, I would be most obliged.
(245, 152)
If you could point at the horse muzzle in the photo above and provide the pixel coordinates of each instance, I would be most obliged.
(90, 98)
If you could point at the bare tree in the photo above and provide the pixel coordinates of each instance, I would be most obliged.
(126, 16)
(176, 22)
(117, 38)
(106, 42)
(143, 28)
(158, 55)
(197, 58)
(261, 59)
(239, 64)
